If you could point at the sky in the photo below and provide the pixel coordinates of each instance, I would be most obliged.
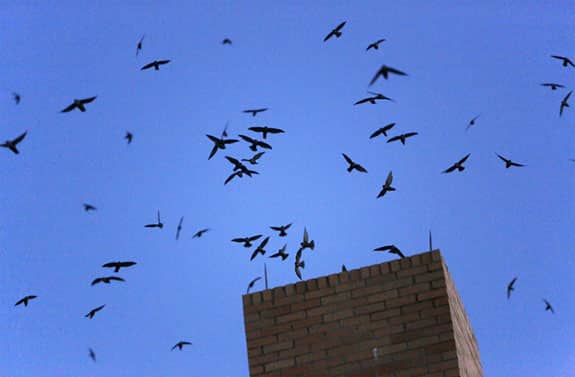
(462, 59)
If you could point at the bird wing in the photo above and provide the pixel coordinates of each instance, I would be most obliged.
(464, 159)
(396, 71)
(376, 133)
(263, 144)
(257, 129)
(87, 100)
(149, 65)
(450, 169)
(360, 168)
(394, 138)
(305, 235)
(389, 179)
(231, 176)
(384, 248)
(96, 281)
(164, 62)
(502, 158)
(349, 160)
(116, 278)
(19, 138)
(410, 134)
(377, 74)
(340, 26)
(69, 108)
(248, 139)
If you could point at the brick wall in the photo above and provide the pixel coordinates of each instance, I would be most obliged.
(407, 310)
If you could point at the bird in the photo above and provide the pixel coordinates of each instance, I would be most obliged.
(225, 131)
(508, 163)
(336, 32)
(79, 104)
(25, 300)
(387, 185)
(548, 306)
(375, 97)
(254, 159)
(255, 143)
(299, 263)
(251, 284)
(402, 137)
(353, 165)
(93, 312)
(180, 345)
(179, 229)
(343, 268)
(260, 249)
(240, 174)
(139, 45)
(306, 243)
(156, 64)
(219, 143)
(382, 130)
(237, 164)
(12, 144)
(17, 97)
(471, 122)
(106, 280)
(564, 103)
(510, 287)
(282, 229)
(374, 45)
(129, 136)
(255, 112)
(200, 232)
(264, 130)
(92, 354)
(566, 61)
(247, 241)
(159, 224)
(89, 207)
(281, 253)
(391, 249)
(384, 71)
(552, 85)
(226, 41)
(118, 265)
(458, 165)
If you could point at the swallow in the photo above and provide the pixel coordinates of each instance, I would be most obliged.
(255, 112)
(392, 249)
(93, 312)
(548, 306)
(159, 224)
(260, 249)
(458, 165)
(281, 253)
(247, 241)
(139, 45)
(343, 268)
(508, 163)
(299, 264)
(117, 265)
(564, 103)
(306, 243)
(92, 354)
(373, 99)
(471, 122)
(385, 71)
(106, 280)
(219, 143)
(156, 64)
(254, 159)
(179, 229)
(374, 45)
(353, 165)
(79, 104)
(180, 345)
(282, 229)
(552, 85)
(387, 185)
(240, 174)
(336, 32)
(25, 300)
(401, 137)
(129, 137)
(200, 233)
(255, 143)
(566, 61)
(264, 130)
(251, 284)
(382, 131)
(227, 41)
(11, 144)
(17, 97)
(89, 207)
(510, 287)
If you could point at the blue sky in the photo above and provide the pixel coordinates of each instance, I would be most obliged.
(462, 59)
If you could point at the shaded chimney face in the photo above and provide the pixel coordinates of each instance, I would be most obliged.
(401, 318)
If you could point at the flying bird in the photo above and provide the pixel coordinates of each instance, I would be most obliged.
(382, 130)
(139, 45)
(510, 287)
(392, 249)
(156, 64)
(508, 163)
(129, 136)
(299, 263)
(106, 280)
(552, 85)
(306, 243)
(471, 122)
(25, 300)
(264, 130)
(17, 97)
(260, 249)
(247, 241)
(12, 144)
(548, 306)
(335, 32)
(402, 137)
(200, 232)
(159, 224)
(79, 104)
(92, 354)
(179, 229)
(226, 41)
(282, 229)
(458, 165)
(251, 284)
(374, 45)
(255, 112)
(89, 207)
(254, 159)
(93, 312)
(180, 345)
(353, 165)
(118, 265)
(375, 97)
(566, 61)
(385, 71)
(240, 174)
(219, 143)
(564, 103)
(387, 185)
(281, 253)
(255, 143)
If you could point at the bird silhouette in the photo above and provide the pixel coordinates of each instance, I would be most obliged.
(200, 232)
(219, 143)
(281, 253)
(373, 99)
(92, 354)
(508, 162)
(118, 265)
(17, 97)
(179, 229)
(392, 249)
(180, 345)
(12, 144)
(255, 143)
(79, 104)
(306, 243)
(106, 280)
(226, 41)
(353, 165)
(129, 136)
(343, 268)
(458, 165)
(552, 85)
(260, 249)
(282, 229)
(548, 306)
(565, 61)
(402, 137)
(93, 312)
(335, 32)
(387, 185)
(159, 224)
(264, 130)
(384, 71)
(25, 300)
(255, 112)
(89, 207)
(156, 64)
(374, 45)
(564, 103)
(471, 122)
(254, 159)
(252, 283)
(240, 174)
(247, 241)
(237, 164)
(139, 45)
(510, 287)
(382, 130)
(299, 263)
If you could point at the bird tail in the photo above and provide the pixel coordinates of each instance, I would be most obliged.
(312, 245)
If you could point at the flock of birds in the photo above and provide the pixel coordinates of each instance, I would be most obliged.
(240, 168)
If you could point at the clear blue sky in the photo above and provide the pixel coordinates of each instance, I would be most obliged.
(463, 59)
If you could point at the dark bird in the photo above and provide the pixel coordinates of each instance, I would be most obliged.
(282, 229)
(254, 159)
(264, 130)
(385, 71)
(336, 32)
(247, 241)
(260, 249)
(255, 112)
(226, 41)
(11, 144)
(240, 174)
(552, 85)
(17, 97)
(159, 224)
(156, 64)
(25, 300)
(508, 163)
(401, 137)
(93, 312)
(471, 122)
(200, 232)
(392, 249)
(106, 280)
(299, 264)
(374, 45)
(382, 131)
(139, 45)
(117, 265)
(353, 165)
(129, 137)
(375, 97)
(387, 185)
(219, 143)
(566, 61)
(79, 104)
(92, 354)
(458, 165)
(281, 253)
(179, 229)
(252, 283)
(237, 164)
(306, 243)
(89, 207)
(564, 103)
(548, 306)
(180, 345)
(255, 143)
(510, 287)
(343, 268)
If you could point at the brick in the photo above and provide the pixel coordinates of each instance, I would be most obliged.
(278, 346)
(279, 364)
(290, 317)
